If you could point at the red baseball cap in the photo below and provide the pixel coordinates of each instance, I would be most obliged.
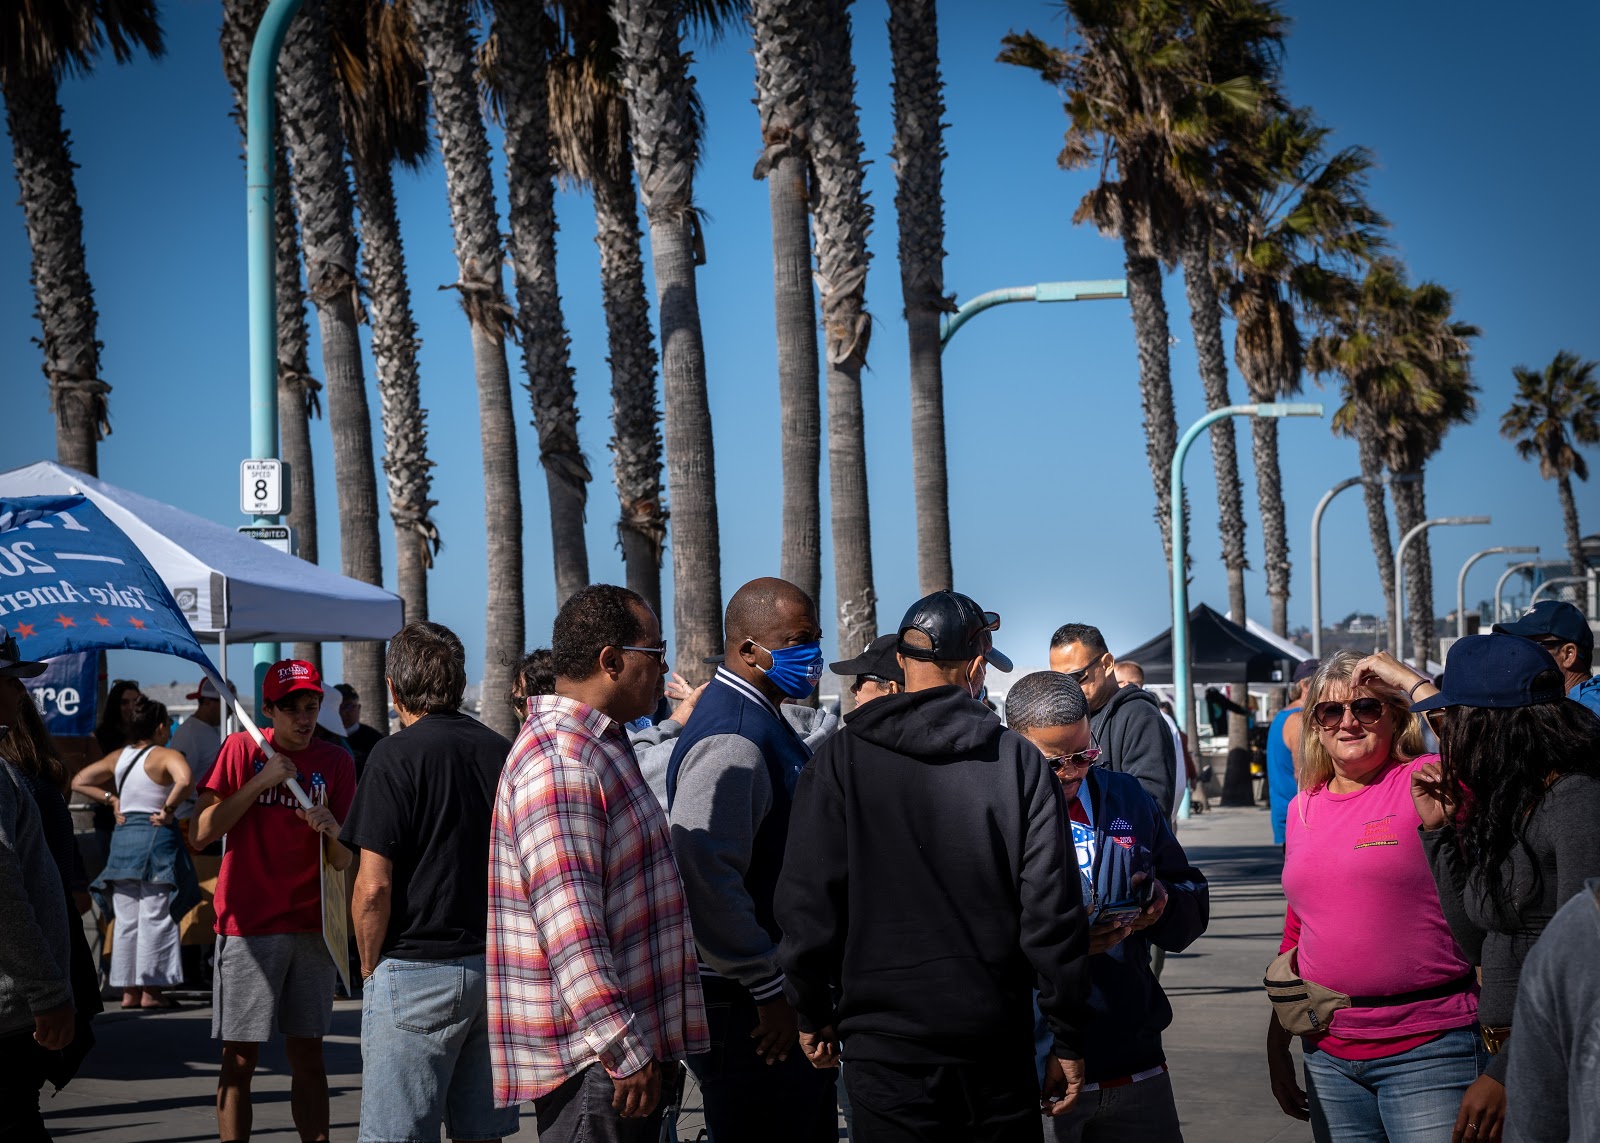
(287, 676)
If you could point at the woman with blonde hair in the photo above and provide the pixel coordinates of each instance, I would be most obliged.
(1364, 920)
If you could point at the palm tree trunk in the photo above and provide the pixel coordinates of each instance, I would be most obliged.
(394, 351)
(635, 417)
(1377, 514)
(315, 140)
(656, 77)
(843, 220)
(1410, 509)
(298, 399)
(1205, 320)
(530, 191)
(1274, 528)
(918, 154)
(63, 294)
(442, 32)
(1569, 517)
(1155, 381)
(782, 36)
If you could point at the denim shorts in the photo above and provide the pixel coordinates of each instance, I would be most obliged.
(1413, 1097)
(425, 1054)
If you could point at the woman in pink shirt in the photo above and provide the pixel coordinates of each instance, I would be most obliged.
(1365, 920)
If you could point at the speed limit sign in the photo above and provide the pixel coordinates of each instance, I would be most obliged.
(261, 487)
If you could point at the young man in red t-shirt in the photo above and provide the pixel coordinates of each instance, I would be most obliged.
(273, 971)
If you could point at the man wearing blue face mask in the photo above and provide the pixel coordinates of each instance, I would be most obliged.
(729, 788)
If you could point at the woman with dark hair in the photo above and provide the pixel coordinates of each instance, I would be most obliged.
(147, 877)
(1509, 819)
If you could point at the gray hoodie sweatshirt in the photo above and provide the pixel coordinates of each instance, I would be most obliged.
(34, 950)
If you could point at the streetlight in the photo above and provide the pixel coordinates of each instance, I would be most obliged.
(1183, 690)
(1513, 569)
(1043, 292)
(1461, 584)
(1558, 581)
(260, 181)
(1316, 546)
(1397, 633)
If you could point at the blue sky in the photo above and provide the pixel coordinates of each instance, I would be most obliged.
(1479, 124)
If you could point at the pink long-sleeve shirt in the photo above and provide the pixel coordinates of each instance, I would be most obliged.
(1365, 913)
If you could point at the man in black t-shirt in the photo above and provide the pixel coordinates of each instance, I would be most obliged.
(422, 817)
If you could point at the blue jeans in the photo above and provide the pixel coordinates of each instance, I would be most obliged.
(425, 1053)
(1410, 1098)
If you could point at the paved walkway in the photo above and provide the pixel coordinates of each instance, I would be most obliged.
(153, 1077)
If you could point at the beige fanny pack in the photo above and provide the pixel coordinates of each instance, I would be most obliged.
(1306, 1008)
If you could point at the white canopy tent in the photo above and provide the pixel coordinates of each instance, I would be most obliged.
(232, 589)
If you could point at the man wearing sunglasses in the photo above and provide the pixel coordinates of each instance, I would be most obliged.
(1561, 629)
(1126, 721)
(876, 671)
(1140, 891)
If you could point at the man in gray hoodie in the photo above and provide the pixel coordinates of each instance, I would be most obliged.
(36, 1011)
(1125, 721)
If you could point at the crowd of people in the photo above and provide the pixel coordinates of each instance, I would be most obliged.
(874, 916)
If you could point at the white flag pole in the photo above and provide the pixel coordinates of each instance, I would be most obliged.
(253, 731)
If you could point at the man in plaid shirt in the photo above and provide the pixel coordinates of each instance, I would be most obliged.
(594, 991)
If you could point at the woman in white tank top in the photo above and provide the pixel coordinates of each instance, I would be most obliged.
(148, 874)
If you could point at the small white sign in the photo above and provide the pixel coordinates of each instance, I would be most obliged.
(261, 487)
(273, 535)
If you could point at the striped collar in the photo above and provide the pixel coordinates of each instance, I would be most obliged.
(728, 678)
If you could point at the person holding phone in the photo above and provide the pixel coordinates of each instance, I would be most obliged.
(1141, 893)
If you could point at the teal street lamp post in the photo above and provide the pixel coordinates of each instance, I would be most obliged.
(1461, 584)
(260, 167)
(1043, 292)
(1397, 632)
(1183, 690)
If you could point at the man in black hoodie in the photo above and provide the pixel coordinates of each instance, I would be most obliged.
(927, 889)
(1126, 721)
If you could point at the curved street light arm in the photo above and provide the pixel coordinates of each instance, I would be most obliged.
(1461, 582)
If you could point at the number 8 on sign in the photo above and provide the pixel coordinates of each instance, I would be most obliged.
(261, 488)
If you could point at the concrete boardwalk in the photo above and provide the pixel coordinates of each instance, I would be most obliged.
(153, 1077)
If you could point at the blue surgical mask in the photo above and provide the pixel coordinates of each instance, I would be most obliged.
(795, 670)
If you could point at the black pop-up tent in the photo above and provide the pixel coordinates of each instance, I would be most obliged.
(1221, 652)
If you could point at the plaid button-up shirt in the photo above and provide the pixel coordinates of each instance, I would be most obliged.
(590, 957)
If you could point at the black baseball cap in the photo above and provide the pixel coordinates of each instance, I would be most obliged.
(958, 627)
(12, 664)
(1305, 669)
(878, 659)
(1552, 619)
(1498, 673)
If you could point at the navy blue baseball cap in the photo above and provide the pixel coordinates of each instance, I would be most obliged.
(1498, 672)
(1552, 619)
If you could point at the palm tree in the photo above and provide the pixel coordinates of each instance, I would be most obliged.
(918, 155)
(1405, 362)
(521, 43)
(655, 74)
(783, 51)
(843, 220)
(444, 34)
(384, 108)
(1295, 214)
(42, 42)
(321, 191)
(298, 390)
(589, 127)
(1556, 410)
(1116, 76)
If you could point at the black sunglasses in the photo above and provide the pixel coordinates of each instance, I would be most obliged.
(869, 678)
(1329, 715)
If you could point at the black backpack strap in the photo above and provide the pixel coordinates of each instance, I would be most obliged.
(123, 781)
